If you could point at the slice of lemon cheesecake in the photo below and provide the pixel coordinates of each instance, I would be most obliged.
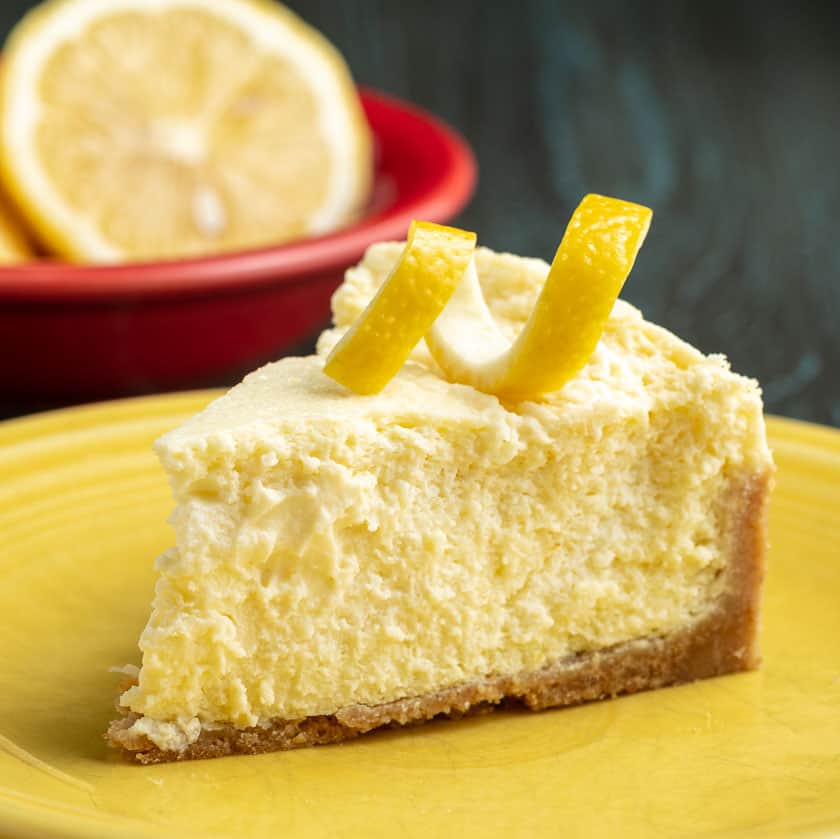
(346, 562)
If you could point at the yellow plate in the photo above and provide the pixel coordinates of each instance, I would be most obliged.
(83, 506)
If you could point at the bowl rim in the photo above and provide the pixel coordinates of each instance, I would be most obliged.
(292, 263)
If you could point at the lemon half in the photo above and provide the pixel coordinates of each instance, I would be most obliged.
(138, 129)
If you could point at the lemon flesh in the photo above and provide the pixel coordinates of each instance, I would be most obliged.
(178, 127)
(377, 345)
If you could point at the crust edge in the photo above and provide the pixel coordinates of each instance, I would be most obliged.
(724, 640)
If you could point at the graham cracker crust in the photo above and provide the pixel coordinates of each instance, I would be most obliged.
(724, 640)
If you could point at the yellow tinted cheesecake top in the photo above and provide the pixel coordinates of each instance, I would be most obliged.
(334, 549)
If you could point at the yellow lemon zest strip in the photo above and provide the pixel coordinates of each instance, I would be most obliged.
(589, 269)
(417, 290)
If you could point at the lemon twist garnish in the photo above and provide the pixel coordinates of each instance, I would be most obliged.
(434, 291)
(589, 269)
(417, 290)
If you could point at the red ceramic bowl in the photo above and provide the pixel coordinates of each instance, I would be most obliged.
(78, 331)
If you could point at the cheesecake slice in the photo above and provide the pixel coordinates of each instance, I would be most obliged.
(346, 562)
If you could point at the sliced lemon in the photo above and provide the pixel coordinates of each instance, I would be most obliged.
(135, 129)
(589, 269)
(416, 291)
(14, 244)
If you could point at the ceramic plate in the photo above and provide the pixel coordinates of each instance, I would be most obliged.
(83, 507)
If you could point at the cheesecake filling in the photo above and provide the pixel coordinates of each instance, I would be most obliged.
(325, 564)
(334, 550)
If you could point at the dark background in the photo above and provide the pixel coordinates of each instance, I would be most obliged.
(724, 117)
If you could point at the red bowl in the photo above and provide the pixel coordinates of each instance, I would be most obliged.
(82, 331)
